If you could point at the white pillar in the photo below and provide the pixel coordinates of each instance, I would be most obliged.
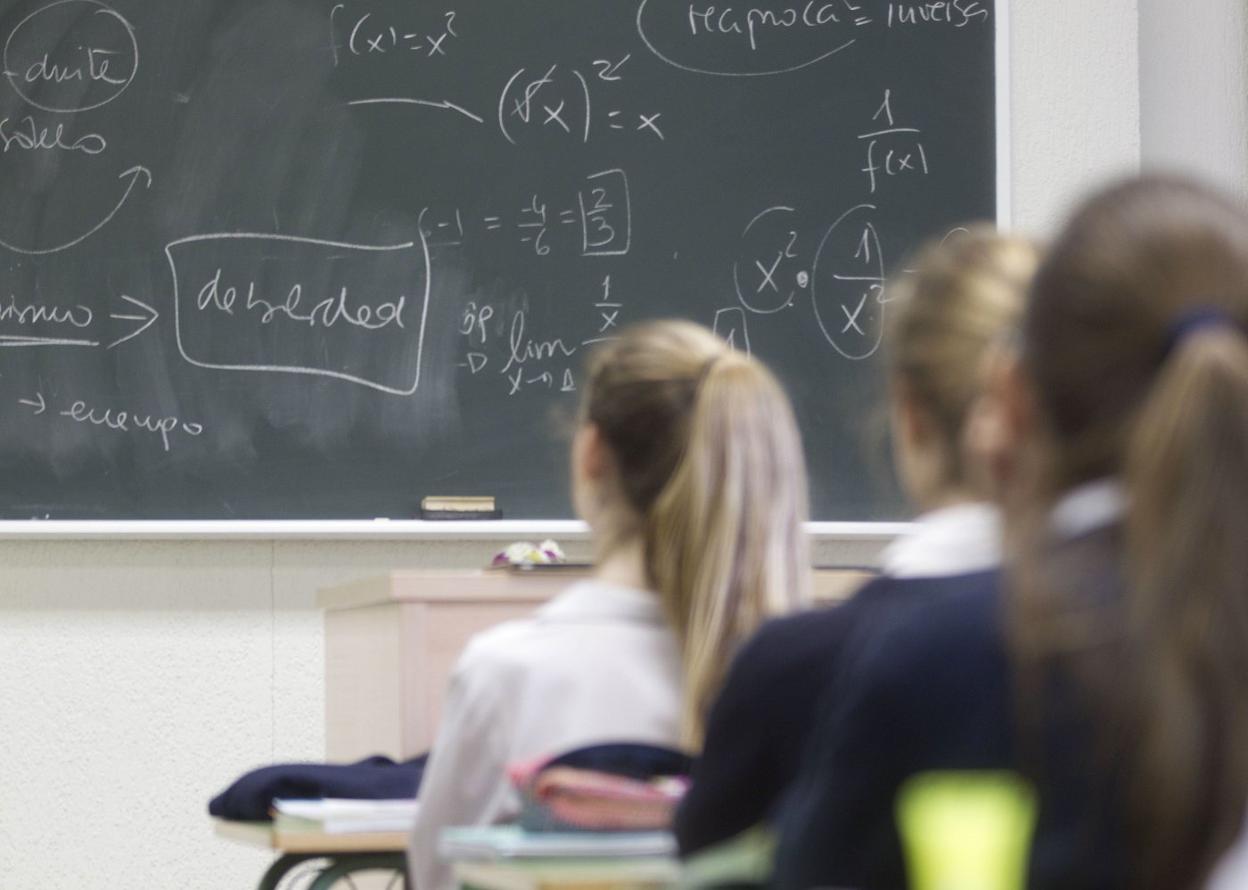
(1076, 104)
(1194, 89)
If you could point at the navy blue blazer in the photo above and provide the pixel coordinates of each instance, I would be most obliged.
(932, 688)
(762, 721)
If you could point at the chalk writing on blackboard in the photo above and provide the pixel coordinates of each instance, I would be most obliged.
(369, 34)
(66, 57)
(445, 105)
(69, 319)
(596, 221)
(958, 13)
(765, 278)
(392, 232)
(847, 284)
(26, 135)
(693, 36)
(281, 304)
(559, 101)
(730, 324)
(132, 177)
(103, 60)
(532, 360)
(892, 150)
(117, 420)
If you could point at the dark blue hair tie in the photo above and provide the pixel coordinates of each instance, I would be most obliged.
(1195, 320)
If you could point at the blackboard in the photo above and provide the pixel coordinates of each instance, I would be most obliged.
(296, 259)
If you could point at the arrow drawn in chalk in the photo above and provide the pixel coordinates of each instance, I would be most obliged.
(444, 105)
(39, 406)
(148, 318)
(134, 173)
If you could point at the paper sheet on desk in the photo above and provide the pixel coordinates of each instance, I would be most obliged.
(340, 816)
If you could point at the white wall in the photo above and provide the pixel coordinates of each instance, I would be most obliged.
(1194, 89)
(1075, 94)
(137, 678)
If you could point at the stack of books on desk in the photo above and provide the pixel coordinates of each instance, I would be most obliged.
(338, 816)
(513, 842)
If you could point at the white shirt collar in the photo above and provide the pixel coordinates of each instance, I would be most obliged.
(955, 540)
(596, 601)
(1089, 507)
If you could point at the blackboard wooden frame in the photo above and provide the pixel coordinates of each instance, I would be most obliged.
(504, 530)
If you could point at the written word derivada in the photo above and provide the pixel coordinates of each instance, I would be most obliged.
(327, 313)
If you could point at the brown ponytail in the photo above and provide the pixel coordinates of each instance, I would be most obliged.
(1121, 392)
(710, 459)
(1187, 552)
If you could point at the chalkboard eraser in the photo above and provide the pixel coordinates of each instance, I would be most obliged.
(459, 515)
(444, 508)
(475, 503)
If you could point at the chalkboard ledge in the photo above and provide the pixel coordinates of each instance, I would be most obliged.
(366, 530)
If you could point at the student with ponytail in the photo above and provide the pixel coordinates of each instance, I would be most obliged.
(688, 467)
(946, 318)
(1109, 662)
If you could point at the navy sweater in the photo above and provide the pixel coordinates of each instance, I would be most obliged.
(762, 721)
(933, 689)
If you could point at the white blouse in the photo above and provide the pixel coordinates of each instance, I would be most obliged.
(966, 538)
(1232, 873)
(598, 663)
(955, 540)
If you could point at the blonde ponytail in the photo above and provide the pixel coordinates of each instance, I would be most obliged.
(724, 540)
(710, 463)
(1187, 558)
(962, 296)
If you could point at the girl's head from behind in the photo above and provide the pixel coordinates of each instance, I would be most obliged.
(689, 450)
(1102, 339)
(963, 296)
(1135, 366)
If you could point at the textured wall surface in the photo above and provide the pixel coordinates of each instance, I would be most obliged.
(135, 679)
(1076, 109)
(1194, 89)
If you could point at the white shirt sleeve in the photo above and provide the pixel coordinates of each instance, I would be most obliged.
(465, 782)
(1232, 873)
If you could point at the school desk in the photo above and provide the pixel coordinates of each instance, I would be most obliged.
(568, 874)
(342, 854)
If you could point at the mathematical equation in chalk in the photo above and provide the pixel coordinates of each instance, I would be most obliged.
(417, 34)
(566, 102)
(553, 101)
(504, 344)
(595, 222)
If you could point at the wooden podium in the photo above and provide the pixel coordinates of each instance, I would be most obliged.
(391, 641)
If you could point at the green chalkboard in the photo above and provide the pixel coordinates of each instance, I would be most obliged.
(299, 259)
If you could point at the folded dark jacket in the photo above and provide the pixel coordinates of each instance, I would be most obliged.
(633, 760)
(374, 778)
